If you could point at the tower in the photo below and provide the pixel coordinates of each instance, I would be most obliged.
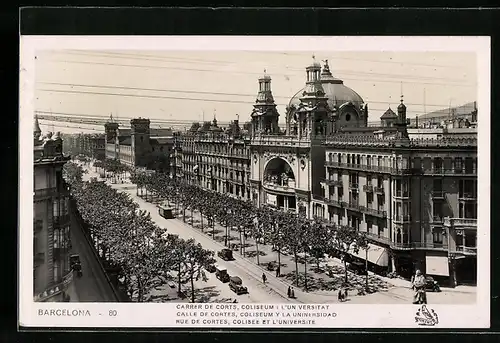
(37, 132)
(111, 131)
(265, 116)
(402, 112)
(313, 112)
(140, 132)
(402, 123)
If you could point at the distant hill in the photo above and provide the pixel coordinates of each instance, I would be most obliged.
(459, 110)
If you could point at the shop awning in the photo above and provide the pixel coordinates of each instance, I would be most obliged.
(376, 255)
(437, 265)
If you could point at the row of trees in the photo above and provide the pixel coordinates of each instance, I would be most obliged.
(267, 225)
(125, 237)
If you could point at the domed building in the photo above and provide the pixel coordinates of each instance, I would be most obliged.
(347, 107)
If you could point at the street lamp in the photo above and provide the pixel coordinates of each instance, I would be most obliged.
(227, 224)
(366, 266)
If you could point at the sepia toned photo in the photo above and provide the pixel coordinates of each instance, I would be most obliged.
(250, 187)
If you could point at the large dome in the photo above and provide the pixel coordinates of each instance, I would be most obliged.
(335, 90)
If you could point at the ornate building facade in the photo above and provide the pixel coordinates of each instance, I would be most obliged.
(51, 221)
(214, 158)
(413, 191)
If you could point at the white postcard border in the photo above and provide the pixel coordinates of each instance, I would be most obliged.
(164, 315)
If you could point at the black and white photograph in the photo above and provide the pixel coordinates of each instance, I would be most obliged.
(266, 184)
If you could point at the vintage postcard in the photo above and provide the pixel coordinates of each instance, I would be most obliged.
(254, 182)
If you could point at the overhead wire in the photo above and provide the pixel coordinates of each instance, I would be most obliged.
(170, 59)
(253, 73)
(198, 92)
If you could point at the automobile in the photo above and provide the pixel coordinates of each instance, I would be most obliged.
(357, 267)
(74, 259)
(211, 268)
(236, 285)
(75, 264)
(431, 284)
(226, 254)
(221, 274)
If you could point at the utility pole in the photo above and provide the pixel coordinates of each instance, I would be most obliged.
(425, 109)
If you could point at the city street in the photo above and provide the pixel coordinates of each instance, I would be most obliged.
(92, 286)
(273, 292)
(397, 291)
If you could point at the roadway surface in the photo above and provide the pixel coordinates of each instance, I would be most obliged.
(92, 286)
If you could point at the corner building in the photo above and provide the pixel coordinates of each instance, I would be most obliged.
(52, 274)
(214, 158)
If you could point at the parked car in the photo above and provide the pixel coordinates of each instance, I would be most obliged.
(222, 274)
(236, 285)
(226, 254)
(431, 284)
(211, 268)
(357, 267)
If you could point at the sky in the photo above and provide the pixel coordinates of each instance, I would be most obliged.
(192, 85)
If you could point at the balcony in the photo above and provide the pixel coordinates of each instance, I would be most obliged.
(45, 193)
(402, 194)
(461, 223)
(332, 182)
(378, 238)
(420, 246)
(405, 246)
(331, 201)
(438, 194)
(353, 186)
(373, 168)
(374, 212)
(404, 171)
(354, 206)
(467, 196)
(61, 220)
(379, 190)
(450, 171)
(466, 250)
(368, 188)
(244, 156)
(290, 188)
(437, 219)
(360, 167)
(402, 218)
(281, 140)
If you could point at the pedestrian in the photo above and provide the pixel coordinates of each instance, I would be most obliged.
(345, 294)
(418, 285)
(278, 271)
(289, 292)
(341, 295)
(292, 293)
(264, 278)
